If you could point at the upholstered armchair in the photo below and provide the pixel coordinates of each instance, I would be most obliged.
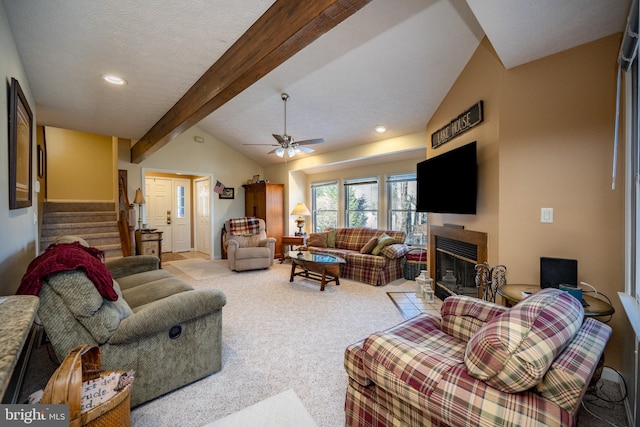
(478, 364)
(248, 247)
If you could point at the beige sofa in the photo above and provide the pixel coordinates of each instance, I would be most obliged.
(369, 260)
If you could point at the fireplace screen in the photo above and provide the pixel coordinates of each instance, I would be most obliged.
(454, 253)
(455, 266)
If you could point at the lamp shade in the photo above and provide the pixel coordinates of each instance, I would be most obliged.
(280, 152)
(300, 209)
(139, 198)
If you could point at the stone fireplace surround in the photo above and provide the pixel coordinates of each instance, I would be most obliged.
(451, 247)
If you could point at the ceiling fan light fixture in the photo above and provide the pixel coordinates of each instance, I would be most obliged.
(291, 151)
(280, 152)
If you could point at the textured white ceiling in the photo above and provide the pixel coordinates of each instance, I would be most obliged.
(392, 62)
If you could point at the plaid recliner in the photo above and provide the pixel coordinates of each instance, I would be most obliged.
(481, 364)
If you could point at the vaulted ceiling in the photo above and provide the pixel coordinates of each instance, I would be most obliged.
(390, 62)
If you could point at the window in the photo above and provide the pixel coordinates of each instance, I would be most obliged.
(361, 200)
(401, 196)
(324, 205)
(180, 208)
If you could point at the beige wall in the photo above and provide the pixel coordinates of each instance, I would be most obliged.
(81, 166)
(546, 141)
(18, 229)
(210, 158)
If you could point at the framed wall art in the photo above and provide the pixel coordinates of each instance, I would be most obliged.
(20, 148)
(227, 193)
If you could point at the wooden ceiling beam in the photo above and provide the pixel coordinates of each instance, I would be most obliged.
(286, 28)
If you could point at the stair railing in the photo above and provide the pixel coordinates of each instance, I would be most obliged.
(125, 222)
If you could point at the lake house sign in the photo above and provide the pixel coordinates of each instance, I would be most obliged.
(459, 125)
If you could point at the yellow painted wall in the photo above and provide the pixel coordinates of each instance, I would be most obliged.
(80, 166)
(546, 141)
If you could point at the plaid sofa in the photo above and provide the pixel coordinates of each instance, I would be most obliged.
(374, 270)
(479, 364)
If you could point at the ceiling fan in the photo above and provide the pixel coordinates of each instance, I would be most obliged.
(286, 143)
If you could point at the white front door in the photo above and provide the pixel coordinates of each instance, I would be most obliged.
(203, 215)
(159, 209)
(182, 215)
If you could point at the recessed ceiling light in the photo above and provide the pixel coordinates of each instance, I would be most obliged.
(115, 80)
(381, 128)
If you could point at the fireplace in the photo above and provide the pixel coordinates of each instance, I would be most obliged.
(453, 254)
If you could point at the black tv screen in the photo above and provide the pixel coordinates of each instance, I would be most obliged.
(448, 183)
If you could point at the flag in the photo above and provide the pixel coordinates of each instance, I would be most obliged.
(219, 188)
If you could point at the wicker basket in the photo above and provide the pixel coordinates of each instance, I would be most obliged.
(411, 268)
(65, 387)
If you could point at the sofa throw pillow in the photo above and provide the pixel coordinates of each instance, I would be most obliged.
(383, 240)
(331, 238)
(369, 246)
(513, 351)
(319, 240)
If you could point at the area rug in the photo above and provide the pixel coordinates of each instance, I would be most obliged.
(282, 410)
(200, 269)
(171, 256)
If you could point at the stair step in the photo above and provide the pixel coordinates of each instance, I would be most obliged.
(79, 206)
(95, 222)
(72, 217)
(58, 229)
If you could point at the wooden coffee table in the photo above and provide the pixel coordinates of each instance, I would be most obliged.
(317, 266)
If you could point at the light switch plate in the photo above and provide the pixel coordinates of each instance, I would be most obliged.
(546, 215)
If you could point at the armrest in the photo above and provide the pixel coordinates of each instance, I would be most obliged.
(127, 266)
(420, 367)
(462, 316)
(397, 250)
(566, 380)
(161, 315)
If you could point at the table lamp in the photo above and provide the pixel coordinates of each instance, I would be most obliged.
(300, 209)
(139, 200)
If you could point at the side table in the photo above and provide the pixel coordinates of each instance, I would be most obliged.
(291, 241)
(149, 243)
(513, 294)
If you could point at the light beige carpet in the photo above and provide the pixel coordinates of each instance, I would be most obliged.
(282, 410)
(199, 269)
(279, 336)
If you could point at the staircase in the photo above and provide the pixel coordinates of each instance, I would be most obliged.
(94, 222)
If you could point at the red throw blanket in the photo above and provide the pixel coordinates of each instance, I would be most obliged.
(67, 257)
(244, 225)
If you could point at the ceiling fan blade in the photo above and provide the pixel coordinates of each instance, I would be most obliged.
(272, 151)
(272, 145)
(279, 138)
(305, 149)
(310, 141)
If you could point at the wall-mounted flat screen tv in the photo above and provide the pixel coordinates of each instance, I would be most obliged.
(448, 183)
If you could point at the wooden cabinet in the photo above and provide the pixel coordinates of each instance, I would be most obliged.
(265, 200)
(149, 243)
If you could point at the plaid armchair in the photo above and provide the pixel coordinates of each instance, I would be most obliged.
(480, 364)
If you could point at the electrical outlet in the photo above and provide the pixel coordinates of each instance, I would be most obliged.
(546, 215)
